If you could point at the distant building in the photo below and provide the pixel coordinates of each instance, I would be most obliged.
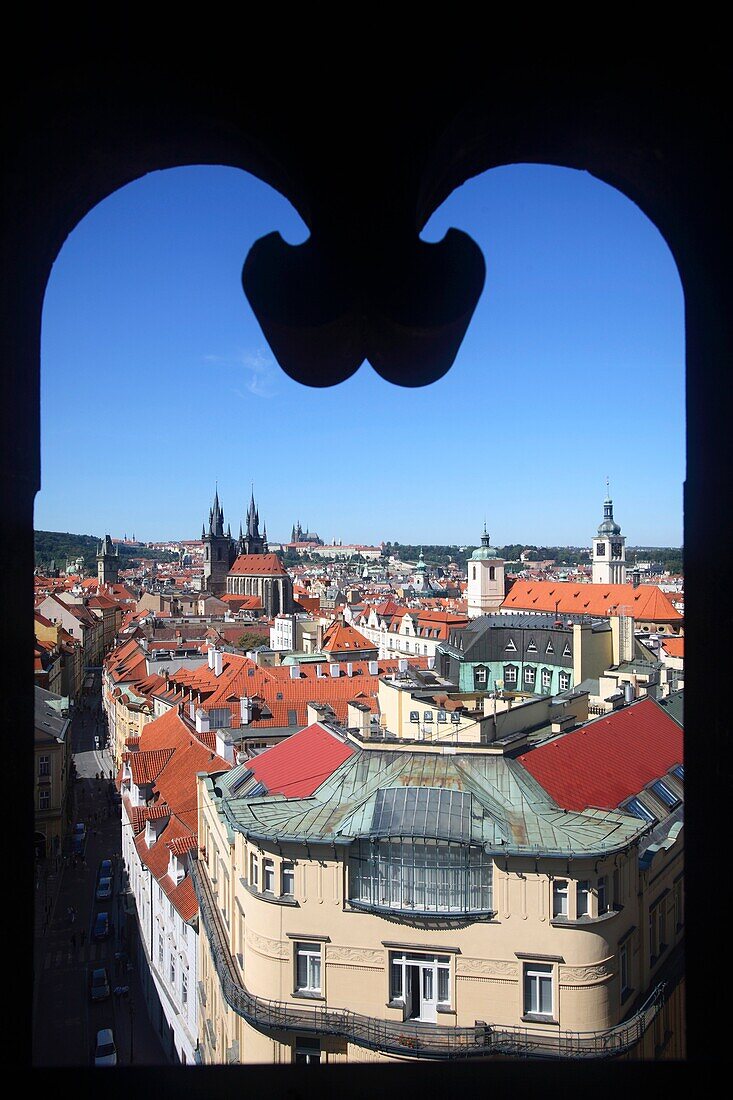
(300, 536)
(108, 562)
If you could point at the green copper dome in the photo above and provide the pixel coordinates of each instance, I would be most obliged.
(484, 551)
(609, 526)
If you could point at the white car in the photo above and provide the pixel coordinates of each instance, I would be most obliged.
(105, 1053)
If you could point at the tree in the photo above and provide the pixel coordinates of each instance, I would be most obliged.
(251, 639)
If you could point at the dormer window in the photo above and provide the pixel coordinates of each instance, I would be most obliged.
(176, 870)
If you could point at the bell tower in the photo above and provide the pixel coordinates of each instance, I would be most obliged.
(609, 548)
(486, 590)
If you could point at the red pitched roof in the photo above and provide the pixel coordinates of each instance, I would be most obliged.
(147, 766)
(608, 760)
(297, 766)
(259, 564)
(342, 638)
(646, 602)
(674, 647)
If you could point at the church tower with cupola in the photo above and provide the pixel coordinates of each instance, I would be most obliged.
(609, 549)
(219, 550)
(485, 592)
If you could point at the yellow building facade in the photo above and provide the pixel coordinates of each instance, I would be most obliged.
(416, 905)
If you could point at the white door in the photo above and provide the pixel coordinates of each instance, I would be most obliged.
(428, 1000)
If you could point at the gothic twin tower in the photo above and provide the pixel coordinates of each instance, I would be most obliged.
(221, 550)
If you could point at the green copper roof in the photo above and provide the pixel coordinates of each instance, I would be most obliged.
(484, 551)
(478, 799)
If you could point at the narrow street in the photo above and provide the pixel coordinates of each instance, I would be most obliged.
(65, 1020)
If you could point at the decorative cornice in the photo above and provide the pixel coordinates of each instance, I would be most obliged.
(361, 956)
(486, 968)
(585, 975)
(272, 949)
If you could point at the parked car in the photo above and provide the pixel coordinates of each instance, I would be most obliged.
(104, 889)
(79, 837)
(101, 927)
(99, 984)
(105, 869)
(105, 1052)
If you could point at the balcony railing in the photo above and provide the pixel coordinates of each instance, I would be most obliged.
(411, 1039)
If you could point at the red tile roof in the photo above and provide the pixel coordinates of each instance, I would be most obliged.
(342, 638)
(297, 766)
(184, 898)
(646, 602)
(674, 647)
(609, 759)
(259, 564)
(182, 844)
(146, 766)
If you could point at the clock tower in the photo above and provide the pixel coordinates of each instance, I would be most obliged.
(609, 549)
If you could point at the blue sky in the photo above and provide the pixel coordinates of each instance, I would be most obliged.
(157, 381)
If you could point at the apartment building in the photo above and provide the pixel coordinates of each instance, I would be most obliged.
(371, 901)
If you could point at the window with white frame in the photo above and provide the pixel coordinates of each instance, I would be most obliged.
(184, 987)
(160, 949)
(546, 679)
(529, 675)
(44, 799)
(44, 765)
(442, 716)
(602, 892)
(564, 680)
(254, 870)
(538, 989)
(288, 879)
(582, 898)
(560, 897)
(173, 971)
(268, 883)
(510, 674)
(308, 967)
(480, 674)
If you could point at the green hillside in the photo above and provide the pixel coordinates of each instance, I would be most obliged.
(62, 547)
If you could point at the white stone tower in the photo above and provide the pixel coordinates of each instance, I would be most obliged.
(609, 549)
(485, 592)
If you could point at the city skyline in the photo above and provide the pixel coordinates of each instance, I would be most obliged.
(571, 371)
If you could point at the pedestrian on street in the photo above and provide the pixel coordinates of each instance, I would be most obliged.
(73, 914)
